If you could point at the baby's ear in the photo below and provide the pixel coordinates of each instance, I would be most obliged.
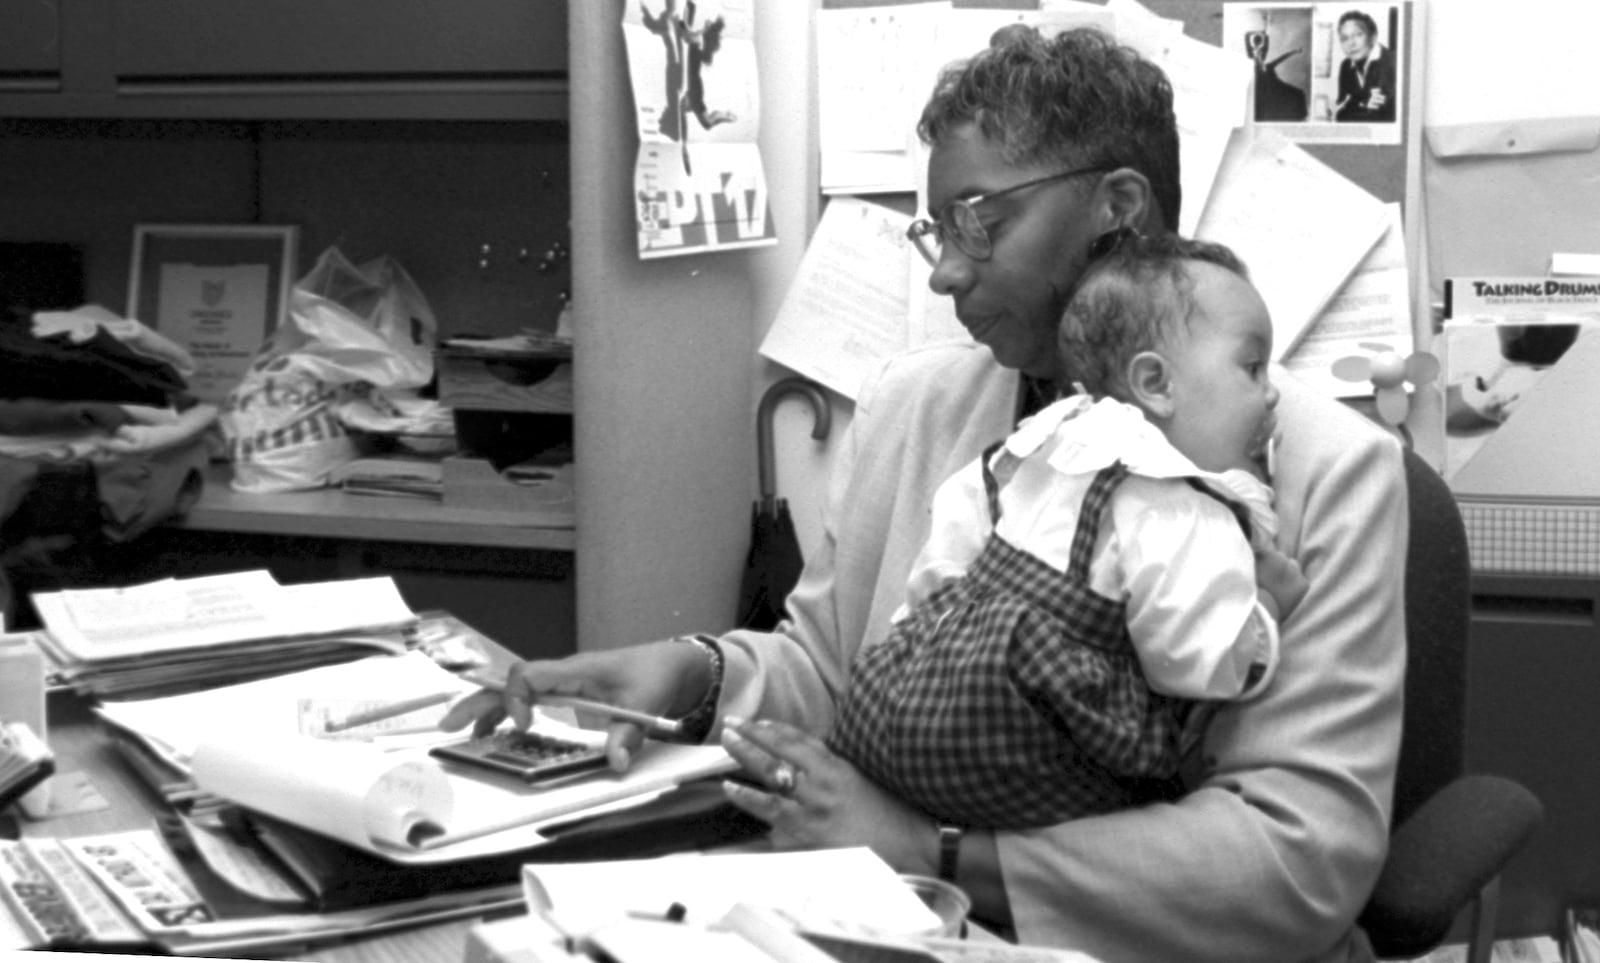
(1150, 382)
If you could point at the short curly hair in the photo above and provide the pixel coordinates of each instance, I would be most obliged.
(1128, 301)
(1363, 20)
(1075, 99)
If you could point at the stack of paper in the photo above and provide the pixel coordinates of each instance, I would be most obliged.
(399, 475)
(260, 745)
(202, 631)
(129, 888)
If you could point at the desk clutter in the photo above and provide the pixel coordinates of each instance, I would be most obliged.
(180, 633)
(823, 906)
(356, 390)
(311, 803)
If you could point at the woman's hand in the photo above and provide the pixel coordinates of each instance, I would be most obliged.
(661, 678)
(816, 799)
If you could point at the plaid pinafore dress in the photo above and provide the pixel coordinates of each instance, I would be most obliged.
(1013, 697)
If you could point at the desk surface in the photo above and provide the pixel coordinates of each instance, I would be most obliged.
(330, 513)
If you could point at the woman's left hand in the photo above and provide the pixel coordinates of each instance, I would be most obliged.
(815, 799)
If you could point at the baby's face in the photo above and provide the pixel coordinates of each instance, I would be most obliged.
(1222, 393)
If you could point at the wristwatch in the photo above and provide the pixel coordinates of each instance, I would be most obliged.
(950, 836)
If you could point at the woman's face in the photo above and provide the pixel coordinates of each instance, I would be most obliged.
(1011, 302)
(1354, 39)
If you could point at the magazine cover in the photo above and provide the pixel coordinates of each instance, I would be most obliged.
(1513, 389)
(1503, 338)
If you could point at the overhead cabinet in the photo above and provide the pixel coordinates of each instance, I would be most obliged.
(243, 59)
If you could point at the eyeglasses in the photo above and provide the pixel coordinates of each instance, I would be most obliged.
(959, 223)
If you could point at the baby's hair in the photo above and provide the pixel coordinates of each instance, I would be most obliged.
(1128, 300)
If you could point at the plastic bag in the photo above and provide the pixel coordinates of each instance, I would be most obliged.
(350, 331)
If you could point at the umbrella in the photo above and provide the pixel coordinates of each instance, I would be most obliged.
(773, 565)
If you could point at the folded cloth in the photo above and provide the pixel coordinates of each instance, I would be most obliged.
(36, 416)
(98, 369)
(81, 324)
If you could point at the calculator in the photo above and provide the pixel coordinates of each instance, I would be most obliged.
(530, 756)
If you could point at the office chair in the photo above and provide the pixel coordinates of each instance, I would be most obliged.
(1452, 832)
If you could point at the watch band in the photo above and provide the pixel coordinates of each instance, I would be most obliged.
(700, 720)
(950, 837)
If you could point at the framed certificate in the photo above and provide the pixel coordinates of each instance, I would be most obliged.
(217, 291)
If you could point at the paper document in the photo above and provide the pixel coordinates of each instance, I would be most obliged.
(1300, 227)
(276, 706)
(873, 71)
(353, 792)
(846, 309)
(1210, 97)
(173, 614)
(410, 808)
(849, 888)
(1372, 309)
(141, 873)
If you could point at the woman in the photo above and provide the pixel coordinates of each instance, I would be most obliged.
(1281, 834)
(1366, 75)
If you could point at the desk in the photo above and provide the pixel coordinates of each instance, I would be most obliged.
(512, 582)
(330, 513)
(80, 746)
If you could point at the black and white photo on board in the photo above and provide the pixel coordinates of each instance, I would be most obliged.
(1324, 72)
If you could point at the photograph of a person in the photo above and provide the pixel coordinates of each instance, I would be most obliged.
(1323, 72)
(691, 41)
(1367, 73)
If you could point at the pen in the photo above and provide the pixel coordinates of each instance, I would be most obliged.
(657, 726)
(389, 711)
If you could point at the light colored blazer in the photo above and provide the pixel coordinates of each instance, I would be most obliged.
(1273, 852)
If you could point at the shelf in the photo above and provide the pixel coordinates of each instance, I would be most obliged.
(541, 100)
(330, 513)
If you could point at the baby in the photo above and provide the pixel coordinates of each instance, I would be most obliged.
(1093, 578)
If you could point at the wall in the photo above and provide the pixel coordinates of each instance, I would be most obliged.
(666, 377)
(429, 193)
(1542, 62)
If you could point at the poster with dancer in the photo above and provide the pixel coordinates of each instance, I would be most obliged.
(698, 179)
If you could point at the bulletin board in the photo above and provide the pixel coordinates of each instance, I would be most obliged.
(1381, 170)
(1390, 172)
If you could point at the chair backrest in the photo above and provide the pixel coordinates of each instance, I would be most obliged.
(1438, 598)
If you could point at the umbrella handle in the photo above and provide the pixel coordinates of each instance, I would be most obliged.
(822, 420)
